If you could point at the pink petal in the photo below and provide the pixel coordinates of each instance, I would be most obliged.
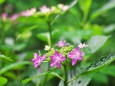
(52, 63)
(74, 61)
(36, 56)
(79, 58)
(58, 65)
(63, 58)
(56, 53)
(43, 57)
(77, 49)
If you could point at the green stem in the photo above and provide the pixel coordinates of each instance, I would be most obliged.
(50, 35)
(66, 77)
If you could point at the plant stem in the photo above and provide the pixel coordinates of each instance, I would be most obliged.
(50, 35)
(66, 76)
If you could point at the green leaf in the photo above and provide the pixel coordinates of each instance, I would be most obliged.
(26, 33)
(37, 76)
(56, 74)
(85, 7)
(3, 81)
(96, 65)
(100, 62)
(14, 65)
(106, 7)
(5, 57)
(109, 28)
(2, 1)
(96, 42)
(109, 70)
(43, 36)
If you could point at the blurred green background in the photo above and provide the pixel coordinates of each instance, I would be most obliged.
(90, 21)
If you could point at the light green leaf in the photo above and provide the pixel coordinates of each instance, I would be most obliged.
(85, 7)
(96, 42)
(25, 81)
(109, 28)
(5, 57)
(26, 33)
(106, 7)
(14, 65)
(43, 36)
(2, 1)
(3, 81)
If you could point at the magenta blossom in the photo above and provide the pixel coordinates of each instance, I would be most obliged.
(57, 59)
(44, 9)
(37, 60)
(4, 16)
(62, 43)
(75, 55)
(14, 17)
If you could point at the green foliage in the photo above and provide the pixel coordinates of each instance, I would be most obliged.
(3, 81)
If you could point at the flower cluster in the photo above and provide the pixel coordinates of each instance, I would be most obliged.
(44, 10)
(57, 57)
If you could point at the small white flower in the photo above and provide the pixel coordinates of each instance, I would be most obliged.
(47, 47)
(82, 45)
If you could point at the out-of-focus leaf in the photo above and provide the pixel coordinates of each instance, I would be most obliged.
(96, 42)
(43, 36)
(109, 28)
(96, 65)
(26, 32)
(36, 76)
(85, 7)
(2, 1)
(5, 57)
(14, 65)
(110, 70)
(106, 7)
(100, 78)
(3, 81)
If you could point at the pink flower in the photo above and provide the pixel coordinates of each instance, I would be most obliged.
(29, 12)
(75, 55)
(14, 17)
(37, 60)
(63, 7)
(62, 43)
(44, 9)
(57, 59)
(4, 16)
(82, 45)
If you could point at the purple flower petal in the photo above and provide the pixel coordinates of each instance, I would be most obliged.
(74, 61)
(43, 57)
(58, 65)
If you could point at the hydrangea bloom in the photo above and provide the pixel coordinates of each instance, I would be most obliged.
(14, 17)
(62, 43)
(29, 12)
(4, 16)
(82, 45)
(75, 55)
(57, 59)
(44, 9)
(37, 60)
(63, 7)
